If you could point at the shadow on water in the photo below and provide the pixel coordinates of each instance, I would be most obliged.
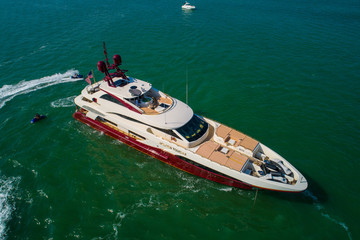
(313, 194)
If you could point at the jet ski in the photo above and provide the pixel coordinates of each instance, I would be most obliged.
(37, 118)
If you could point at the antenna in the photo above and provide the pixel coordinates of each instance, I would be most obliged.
(105, 53)
(187, 84)
(92, 71)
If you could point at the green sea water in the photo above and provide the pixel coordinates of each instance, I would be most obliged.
(285, 72)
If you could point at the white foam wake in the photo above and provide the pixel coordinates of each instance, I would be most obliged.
(8, 92)
(64, 102)
(321, 209)
(8, 187)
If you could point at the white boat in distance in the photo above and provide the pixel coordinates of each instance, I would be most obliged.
(187, 6)
(136, 113)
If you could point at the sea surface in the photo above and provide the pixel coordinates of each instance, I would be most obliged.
(285, 72)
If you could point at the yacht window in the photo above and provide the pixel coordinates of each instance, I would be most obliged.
(126, 117)
(86, 100)
(120, 83)
(136, 135)
(193, 129)
(111, 99)
(105, 120)
(167, 131)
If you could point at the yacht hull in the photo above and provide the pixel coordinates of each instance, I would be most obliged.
(160, 154)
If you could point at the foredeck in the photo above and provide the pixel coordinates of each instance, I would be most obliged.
(222, 155)
(236, 138)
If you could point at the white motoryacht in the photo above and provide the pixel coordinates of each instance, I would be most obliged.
(145, 118)
(188, 6)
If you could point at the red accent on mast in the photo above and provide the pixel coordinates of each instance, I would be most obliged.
(102, 68)
(106, 58)
(105, 67)
(117, 60)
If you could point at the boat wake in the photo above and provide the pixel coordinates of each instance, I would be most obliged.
(63, 102)
(8, 187)
(8, 92)
(323, 213)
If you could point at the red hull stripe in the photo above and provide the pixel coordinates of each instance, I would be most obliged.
(160, 154)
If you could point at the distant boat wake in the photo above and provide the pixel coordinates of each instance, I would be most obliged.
(8, 92)
(8, 188)
(322, 211)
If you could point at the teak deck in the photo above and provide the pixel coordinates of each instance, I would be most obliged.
(238, 138)
(148, 110)
(219, 154)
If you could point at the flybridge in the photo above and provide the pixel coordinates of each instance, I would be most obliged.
(132, 89)
(134, 94)
(105, 67)
(121, 87)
